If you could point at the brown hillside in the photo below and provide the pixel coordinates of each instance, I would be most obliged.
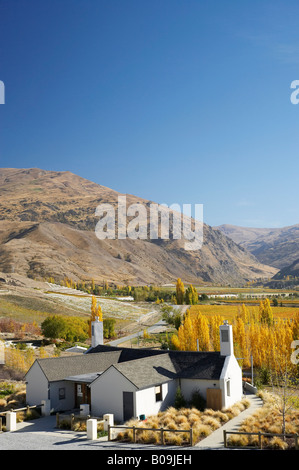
(47, 228)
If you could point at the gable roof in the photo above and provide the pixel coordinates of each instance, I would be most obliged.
(148, 371)
(127, 354)
(197, 365)
(143, 367)
(59, 368)
(168, 365)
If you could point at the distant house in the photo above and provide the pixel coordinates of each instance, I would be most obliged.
(132, 382)
(76, 349)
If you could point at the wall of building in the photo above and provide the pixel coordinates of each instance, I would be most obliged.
(231, 382)
(66, 403)
(188, 386)
(107, 394)
(146, 403)
(36, 385)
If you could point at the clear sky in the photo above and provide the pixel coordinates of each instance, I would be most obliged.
(176, 101)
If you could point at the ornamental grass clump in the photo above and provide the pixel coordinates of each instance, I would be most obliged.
(268, 419)
(203, 423)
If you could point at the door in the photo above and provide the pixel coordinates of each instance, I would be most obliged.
(214, 398)
(82, 394)
(128, 407)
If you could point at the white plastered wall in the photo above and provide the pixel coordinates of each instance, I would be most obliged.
(107, 393)
(231, 382)
(146, 403)
(36, 385)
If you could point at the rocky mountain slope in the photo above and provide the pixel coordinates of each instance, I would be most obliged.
(292, 270)
(278, 247)
(47, 228)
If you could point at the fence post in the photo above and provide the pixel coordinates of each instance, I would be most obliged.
(11, 421)
(296, 441)
(260, 439)
(162, 436)
(72, 421)
(224, 438)
(108, 419)
(91, 429)
(191, 437)
(134, 434)
(57, 420)
(109, 432)
(0, 425)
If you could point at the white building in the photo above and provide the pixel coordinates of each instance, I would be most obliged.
(132, 382)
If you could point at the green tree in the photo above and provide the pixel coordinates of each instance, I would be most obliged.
(108, 326)
(53, 327)
(76, 329)
(179, 401)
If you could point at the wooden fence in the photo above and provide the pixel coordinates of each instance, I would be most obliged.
(26, 408)
(260, 436)
(73, 418)
(162, 431)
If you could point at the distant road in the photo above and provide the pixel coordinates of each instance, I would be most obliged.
(160, 325)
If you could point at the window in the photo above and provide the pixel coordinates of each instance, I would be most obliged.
(228, 388)
(61, 393)
(224, 336)
(158, 393)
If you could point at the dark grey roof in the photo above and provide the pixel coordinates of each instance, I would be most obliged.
(148, 371)
(58, 368)
(197, 365)
(127, 354)
(143, 367)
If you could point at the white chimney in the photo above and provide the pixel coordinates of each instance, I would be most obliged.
(226, 339)
(97, 333)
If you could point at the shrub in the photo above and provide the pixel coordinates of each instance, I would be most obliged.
(197, 400)
(179, 401)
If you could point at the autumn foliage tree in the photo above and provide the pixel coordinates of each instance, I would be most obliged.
(255, 334)
(191, 295)
(180, 291)
(96, 313)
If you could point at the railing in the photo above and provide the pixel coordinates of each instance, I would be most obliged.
(73, 418)
(160, 430)
(26, 408)
(260, 435)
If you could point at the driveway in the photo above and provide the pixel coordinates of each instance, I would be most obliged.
(41, 434)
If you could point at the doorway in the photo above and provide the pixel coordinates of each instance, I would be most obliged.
(82, 394)
(128, 406)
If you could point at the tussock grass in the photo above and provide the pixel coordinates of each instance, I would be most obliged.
(268, 419)
(203, 423)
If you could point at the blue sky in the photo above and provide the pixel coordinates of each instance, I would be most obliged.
(176, 101)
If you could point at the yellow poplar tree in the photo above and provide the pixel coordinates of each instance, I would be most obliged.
(214, 323)
(180, 290)
(96, 312)
(265, 312)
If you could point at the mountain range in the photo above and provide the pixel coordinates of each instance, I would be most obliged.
(47, 229)
(277, 247)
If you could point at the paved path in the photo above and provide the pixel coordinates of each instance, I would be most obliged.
(215, 440)
(41, 434)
